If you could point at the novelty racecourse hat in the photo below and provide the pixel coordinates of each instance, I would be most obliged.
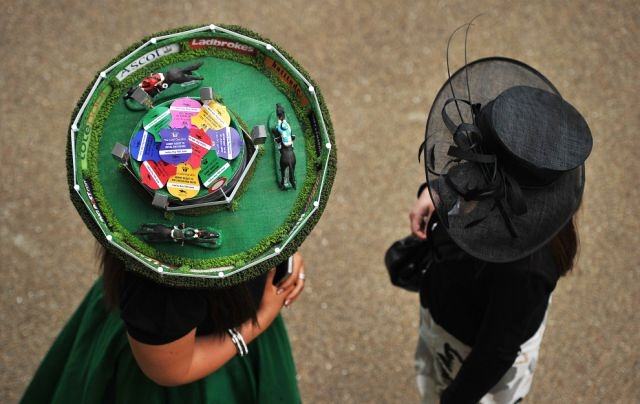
(504, 158)
(201, 156)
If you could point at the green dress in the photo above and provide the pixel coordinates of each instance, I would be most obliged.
(91, 362)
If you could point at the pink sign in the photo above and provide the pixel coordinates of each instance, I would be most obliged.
(182, 110)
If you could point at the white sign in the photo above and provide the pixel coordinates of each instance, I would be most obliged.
(146, 59)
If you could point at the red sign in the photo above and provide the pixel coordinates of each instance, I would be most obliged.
(200, 43)
(286, 78)
(155, 175)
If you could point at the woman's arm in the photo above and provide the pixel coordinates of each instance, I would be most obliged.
(517, 297)
(192, 357)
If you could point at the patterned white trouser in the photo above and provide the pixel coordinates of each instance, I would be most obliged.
(439, 356)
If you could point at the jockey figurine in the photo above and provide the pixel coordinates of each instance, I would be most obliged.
(155, 83)
(283, 128)
(284, 142)
(156, 233)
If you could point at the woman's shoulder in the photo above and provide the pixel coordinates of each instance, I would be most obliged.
(136, 287)
(155, 313)
(539, 266)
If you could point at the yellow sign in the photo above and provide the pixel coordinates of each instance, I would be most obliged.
(212, 115)
(185, 184)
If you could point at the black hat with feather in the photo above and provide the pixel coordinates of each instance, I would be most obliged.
(504, 158)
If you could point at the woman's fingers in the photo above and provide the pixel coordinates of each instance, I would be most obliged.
(298, 266)
(293, 295)
(420, 214)
(270, 276)
(269, 283)
(298, 278)
(288, 282)
(417, 225)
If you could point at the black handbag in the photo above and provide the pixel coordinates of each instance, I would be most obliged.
(407, 261)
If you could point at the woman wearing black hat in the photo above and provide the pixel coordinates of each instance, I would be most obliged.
(504, 158)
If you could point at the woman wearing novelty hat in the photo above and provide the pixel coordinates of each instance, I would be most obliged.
(187, 308)
(504, 157)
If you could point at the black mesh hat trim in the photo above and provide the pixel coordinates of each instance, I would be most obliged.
(475, 221)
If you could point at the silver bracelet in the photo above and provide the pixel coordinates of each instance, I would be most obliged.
(244, 344)
(238, 341)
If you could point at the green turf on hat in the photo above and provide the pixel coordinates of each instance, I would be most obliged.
(244, 221)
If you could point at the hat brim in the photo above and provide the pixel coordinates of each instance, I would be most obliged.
(478, 226)
(263, 225)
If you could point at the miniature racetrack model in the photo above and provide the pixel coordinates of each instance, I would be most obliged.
(167, 156)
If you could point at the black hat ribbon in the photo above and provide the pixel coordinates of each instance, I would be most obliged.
(500, 185)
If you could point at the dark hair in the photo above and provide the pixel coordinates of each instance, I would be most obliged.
(228, 307)
(564, 247)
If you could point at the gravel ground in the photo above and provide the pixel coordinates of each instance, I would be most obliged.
(379, 65)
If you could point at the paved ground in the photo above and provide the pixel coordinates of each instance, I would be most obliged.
(379, 65)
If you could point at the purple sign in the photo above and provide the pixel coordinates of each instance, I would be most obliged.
(182, 110)
(143, 146)
(227, 142)
(175, 147)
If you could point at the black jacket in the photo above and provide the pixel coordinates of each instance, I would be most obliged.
(493, 308)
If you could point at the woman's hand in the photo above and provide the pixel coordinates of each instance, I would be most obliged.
(294, 282)
(420, 214)
(271, 303)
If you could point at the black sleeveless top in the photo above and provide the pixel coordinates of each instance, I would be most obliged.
(157, 314)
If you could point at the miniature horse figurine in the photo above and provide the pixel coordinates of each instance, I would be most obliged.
(158, 233)
(287, 160)
(280, 113)
(158, 82)
(285, 145)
